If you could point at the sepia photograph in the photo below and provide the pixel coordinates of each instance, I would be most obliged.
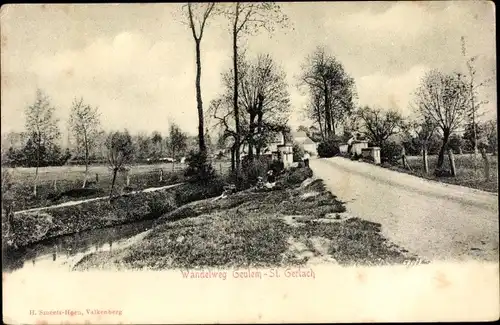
(249, 162)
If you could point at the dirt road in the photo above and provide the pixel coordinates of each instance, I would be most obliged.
(434, 220)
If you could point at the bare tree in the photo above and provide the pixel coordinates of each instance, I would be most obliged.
(379, 125)
(443, 99)
(473, 112)
(247, 18)
(265, 99)
(85, 125)
(198, 14)
(41, 125)
(120, 152)
(325, 78)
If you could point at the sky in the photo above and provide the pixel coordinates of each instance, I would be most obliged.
(136, 62)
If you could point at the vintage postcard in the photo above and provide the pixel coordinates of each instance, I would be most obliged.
(249, 162)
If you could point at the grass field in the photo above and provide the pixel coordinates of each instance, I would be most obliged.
(68, 178)
(468, 173)
(292, 224)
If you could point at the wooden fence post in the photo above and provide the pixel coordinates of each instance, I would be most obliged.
(161, 175)
(96, 178)
(452, 163)
(486, 164)
(55, 185)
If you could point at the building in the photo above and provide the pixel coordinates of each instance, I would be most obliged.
(305, 142)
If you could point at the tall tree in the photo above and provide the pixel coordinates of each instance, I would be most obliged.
(198, 15)
(85, 126)
(265, 99)
(473, 111)
(332, 91)
(120, 152)
(379, 125)
(247, 18)
(41, 125)
(443, 98)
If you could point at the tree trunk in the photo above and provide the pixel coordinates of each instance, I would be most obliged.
(235, 101)
(486, 164)
(86, 160)
(452, 163)
(115, 171)
(446, 136)
(425, 160)
(233, 162)
(36, 180)
(251, 139)
(258, 146)
(328, 118)
(201, 128)
(37, 165)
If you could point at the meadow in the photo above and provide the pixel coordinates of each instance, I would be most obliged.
(64, 183)
(470, 171)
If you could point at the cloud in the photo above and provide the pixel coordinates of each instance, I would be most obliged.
(390, 92)
(137, 83)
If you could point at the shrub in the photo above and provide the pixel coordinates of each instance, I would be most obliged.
(198, 191)
(330, 147)
(295, 176)
(276, 166)
(298, 152)
(252, 171)
(199, 169)
(390, 152)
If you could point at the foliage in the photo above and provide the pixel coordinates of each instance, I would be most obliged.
(331, 91)
(390, 152)
(295, 176)
(177, 141)
(456, 143)
(379, 125)
(252, 171)
(41, 125)
(26, 156)
(298, 152)
(199, 169)
(330, 147)
(443, 99)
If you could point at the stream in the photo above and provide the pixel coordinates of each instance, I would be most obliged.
(62, 253)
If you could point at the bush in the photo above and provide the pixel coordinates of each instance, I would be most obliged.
(295, 176)
(298, 152)
(199, 169)
(276, 166)
(330, 147)
(198, 191)
(390, 152)
(252, 171)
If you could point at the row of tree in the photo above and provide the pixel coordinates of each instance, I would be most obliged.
(446, 109)
(41, 137)
(242, 109)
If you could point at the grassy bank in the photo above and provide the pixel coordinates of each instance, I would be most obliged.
(468, 174)
(296, 222)
(31, 227)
